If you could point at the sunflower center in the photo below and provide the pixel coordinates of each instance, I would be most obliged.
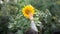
(27, 12)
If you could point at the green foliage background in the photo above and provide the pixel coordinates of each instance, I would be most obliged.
(46, 11)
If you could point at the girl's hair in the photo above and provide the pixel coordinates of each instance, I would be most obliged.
(56, 32)
(30, 31)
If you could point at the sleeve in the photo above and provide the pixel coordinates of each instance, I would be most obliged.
(33, 26)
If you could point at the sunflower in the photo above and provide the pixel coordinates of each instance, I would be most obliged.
(28, 10)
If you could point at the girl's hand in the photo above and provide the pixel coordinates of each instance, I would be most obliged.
(30, 16)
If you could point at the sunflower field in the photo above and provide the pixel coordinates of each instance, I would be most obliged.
(14, 18)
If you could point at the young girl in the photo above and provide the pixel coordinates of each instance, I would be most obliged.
(33, 29)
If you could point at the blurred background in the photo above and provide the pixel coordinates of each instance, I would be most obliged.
(46, 16)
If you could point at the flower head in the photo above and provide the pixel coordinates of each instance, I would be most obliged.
(28, 10)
